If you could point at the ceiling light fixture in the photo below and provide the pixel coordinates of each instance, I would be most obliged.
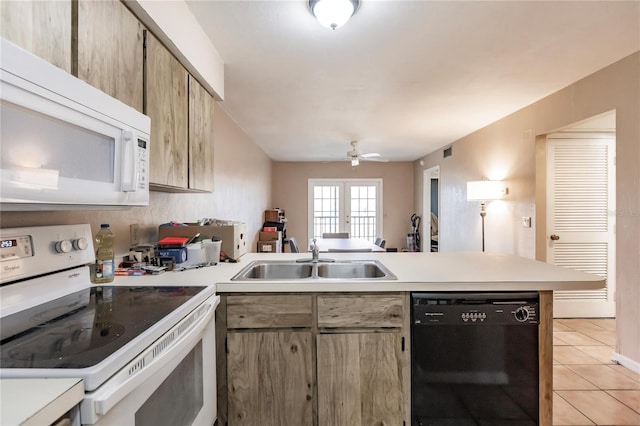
(333, 13)
(355, 162)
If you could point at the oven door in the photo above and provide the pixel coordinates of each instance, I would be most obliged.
(177, 387)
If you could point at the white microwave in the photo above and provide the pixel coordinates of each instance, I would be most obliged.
(65, 144)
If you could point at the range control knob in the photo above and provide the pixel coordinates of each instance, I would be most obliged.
(63, 246)
(80, 244)
(522, 313)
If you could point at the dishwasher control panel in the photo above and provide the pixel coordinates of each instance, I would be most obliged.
(476, 309)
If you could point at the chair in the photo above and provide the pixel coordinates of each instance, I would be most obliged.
(293, 245)
(380, 242)
(335, 235)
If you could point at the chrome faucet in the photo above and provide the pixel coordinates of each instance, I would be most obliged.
(315, 255)
(315, 251)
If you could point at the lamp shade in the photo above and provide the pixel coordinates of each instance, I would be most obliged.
(484, 190)
(333, 13)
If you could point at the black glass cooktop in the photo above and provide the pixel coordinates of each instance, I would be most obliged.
(85, 335)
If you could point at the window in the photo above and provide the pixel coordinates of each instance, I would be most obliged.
(346, 205)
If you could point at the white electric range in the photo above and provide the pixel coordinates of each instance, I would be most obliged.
(146, 354)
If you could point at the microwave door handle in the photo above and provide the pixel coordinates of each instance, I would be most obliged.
(130, 176)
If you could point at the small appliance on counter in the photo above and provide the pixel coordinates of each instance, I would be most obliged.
(46, 114)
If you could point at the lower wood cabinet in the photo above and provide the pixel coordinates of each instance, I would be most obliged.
(313, 359)
(360, 379)
(270, 378)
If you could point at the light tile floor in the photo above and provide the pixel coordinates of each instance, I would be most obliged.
(589, 388)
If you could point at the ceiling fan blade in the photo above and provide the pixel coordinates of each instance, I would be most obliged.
(379, 160)
(370, 155)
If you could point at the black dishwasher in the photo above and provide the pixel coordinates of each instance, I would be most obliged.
(474, 359)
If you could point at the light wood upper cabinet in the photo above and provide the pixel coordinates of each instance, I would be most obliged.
(360, 379)
(166, 105)
(201, 110)
(41, 27)
(110, 50)
(270, 378)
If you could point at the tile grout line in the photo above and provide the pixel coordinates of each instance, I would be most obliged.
(598, 363)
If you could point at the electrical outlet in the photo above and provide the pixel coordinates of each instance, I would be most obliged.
(526, 222)
(134, 238)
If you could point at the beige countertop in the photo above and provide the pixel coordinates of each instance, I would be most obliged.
(37, 401)
(414, 272)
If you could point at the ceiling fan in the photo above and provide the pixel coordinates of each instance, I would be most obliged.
(356, 156)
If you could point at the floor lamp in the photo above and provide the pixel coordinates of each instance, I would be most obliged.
(483, 191)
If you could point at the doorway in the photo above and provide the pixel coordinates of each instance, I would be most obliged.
(431, 208)
(580, 212)
(345, 205)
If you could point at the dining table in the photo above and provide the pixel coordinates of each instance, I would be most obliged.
(328, 245)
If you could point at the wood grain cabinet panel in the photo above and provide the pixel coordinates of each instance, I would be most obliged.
(110, 50)
(201, 110)
(359, 379)
(41, 27)
(166, 105)
(360, 311)
(270, 378)
(269, 311)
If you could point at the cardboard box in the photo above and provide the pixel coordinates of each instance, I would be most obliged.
(274, 215)
(270, 246)
(270, 236)
(233, 235)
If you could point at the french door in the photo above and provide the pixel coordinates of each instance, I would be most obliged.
(345, 205)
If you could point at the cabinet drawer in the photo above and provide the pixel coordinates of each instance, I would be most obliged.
(360, 311)
(269, 311)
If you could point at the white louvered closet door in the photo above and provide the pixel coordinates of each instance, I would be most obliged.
(581, 219)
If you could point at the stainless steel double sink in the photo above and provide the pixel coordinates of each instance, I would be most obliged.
(275, 270)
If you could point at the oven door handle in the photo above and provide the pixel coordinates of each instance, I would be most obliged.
(116, 389)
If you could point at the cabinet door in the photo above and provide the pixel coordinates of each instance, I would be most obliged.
(41, 27)
(359, 379)
(166, 105)
(269, 378)
(110, 50)
(201, 109)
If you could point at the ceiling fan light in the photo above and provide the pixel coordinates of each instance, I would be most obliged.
(355, 162)
(333, 13)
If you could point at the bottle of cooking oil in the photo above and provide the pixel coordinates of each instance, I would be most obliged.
(105, 266)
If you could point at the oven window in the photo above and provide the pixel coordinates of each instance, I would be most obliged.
(179, 398)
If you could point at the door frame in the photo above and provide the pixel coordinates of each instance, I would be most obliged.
(427, 175)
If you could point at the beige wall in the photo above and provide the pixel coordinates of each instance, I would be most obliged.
(242, 190)
(506, 150)
(289, 189)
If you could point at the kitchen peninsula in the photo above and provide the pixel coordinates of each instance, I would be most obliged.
(309, 332)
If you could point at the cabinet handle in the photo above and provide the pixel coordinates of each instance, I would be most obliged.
(554, 237)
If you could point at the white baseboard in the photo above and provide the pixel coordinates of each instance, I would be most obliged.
(626, 362)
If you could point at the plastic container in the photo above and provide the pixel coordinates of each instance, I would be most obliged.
(196, 254)
(212, 249)
(105, 265)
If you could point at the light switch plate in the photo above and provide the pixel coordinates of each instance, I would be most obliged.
(526, 222)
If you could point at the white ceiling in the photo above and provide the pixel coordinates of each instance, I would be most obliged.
(402, 77)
